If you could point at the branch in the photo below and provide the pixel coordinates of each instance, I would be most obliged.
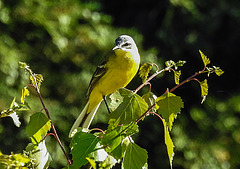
(48, 115)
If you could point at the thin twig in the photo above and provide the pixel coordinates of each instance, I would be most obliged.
(48, 115)
(151, 77)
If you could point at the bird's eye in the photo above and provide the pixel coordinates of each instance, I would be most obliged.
(127, 45)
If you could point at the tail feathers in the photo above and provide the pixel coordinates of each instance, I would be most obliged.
(84, 119)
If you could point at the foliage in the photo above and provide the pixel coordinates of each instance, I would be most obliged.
(116, 142)
(34, 32)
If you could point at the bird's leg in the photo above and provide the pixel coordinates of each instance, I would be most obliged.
(104, 98)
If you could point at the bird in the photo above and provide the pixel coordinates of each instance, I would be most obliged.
(115, 71)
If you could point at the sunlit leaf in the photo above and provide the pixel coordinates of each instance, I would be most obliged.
(204, 89)
(91, 162)
(135, 157)
(218, 71)
(15, 118)
(82, 145)
(170, 63)
(168, 142)
(179, 64)
(39, 80)
(13, 161)
(131, 108)
(38, 126)
(144, 71)
(168, 106)
(12, 112)
(177, 75)
(25, 92)
(205, 60)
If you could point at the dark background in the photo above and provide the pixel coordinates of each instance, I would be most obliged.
(64, 41)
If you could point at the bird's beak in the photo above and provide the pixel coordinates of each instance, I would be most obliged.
(116, 47)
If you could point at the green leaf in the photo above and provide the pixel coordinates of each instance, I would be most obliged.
(113, 137)
(177, 76)
(13, 161)
(179, 64)
(116, 100)
(39, 80)
(205, 60)
(170, 63)
(168, 142)
(82, 145)
(150, 99)
(144, 71)
(168, 106)
(25, 92)
(204, 89)
(38, 126)
(135, 157)
(218, 71)
(11, 112)
(22, 65)
(131, 108)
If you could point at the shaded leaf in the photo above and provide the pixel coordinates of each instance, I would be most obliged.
(204, 89)
(116, 100)
(38, 126)
(205, 60)
(150, 98)
(82, 145)
(168, 106)
(113, 137)
(135, 157)
(131, 108)
(144, 71)
(168, 142)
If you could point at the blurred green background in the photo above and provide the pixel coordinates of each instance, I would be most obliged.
(64, 41)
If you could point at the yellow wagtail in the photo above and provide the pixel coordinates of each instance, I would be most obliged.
(115, 71)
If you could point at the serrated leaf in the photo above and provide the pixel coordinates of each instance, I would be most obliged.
(177, 75)
(150, 98)
(39, 80)
(179, 63)
(16, 161)
(116, 100)
(205, 60)
(22, 65)
(131, 108)
(15, 118)
(25, 92)
(38, 126)
(169, 105)
(135, 157)
(204, 89)
(113, 137)
(82, 145)
(144, 71)
(168, 142)
(170, 63)
(218, 71)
